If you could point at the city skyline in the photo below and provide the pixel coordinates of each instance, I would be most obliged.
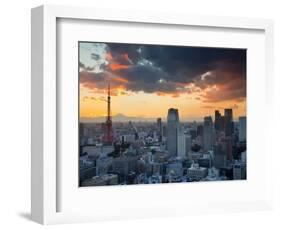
(195, 80)
(135, 104)
(125, 153)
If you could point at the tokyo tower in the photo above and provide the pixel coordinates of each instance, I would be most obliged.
(108, 136)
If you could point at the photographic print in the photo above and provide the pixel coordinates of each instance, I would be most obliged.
(152, 114)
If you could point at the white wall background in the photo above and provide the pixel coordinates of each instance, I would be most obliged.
(15, 113)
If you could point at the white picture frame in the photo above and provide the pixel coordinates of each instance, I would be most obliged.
(45, 161)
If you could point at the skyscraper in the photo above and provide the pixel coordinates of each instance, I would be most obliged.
(159, 128)
(228, 119)
(208, 133)
(184, 144)
(242, 128)
(181, 148)
(200, 130)
(218, 121)
(228, 113)
(172, 131)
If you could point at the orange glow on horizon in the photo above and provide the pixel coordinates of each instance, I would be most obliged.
(152, 105)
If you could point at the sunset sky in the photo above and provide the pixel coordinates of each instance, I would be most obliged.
(147, 80)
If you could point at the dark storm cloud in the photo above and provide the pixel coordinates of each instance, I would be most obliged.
(135, 79)
(148, 79)
(142, 73)
(191, 61)
(171, 69)
(119, 50)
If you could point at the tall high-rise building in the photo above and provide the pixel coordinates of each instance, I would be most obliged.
(219, 119)
(228, 113)
(184, 144)
(164, 128)
(208, 133)
(228, 122)
(172, 131)
(181, 148)
(159, 129)
(242, 128)
(200, 130)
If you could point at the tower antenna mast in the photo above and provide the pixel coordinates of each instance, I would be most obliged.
(108, 137)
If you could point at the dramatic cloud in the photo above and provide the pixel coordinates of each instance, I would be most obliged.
(215, 74)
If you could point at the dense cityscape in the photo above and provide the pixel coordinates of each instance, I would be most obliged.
(124, 153)
(152, 113)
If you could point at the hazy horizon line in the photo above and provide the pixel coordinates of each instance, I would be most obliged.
(150, 119)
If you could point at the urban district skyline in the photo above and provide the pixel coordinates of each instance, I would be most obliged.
(131, 152)
(157, 152)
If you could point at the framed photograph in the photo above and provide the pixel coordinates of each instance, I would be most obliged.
(141, 114)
